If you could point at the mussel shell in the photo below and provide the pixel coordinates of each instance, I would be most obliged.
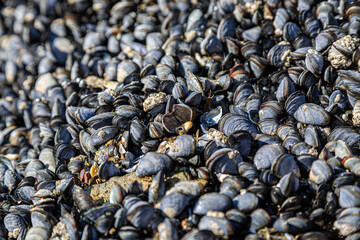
(179, 115)
(259, 218)
(349, 196)
(137, 132)
(224, 160)
(313, 114)
(246, 202)
(212, 117)
(231, 123)
(153, 162)
(140, 214)
(294, 101)
(266, 155)
(212, 202)
(157, 187)
(348, 224)
(289, 184)
(351, 162)
(174, 203)
(102, 135)
(108, 170)
(199, 235)
(285, 164)
(219, 226)
(14, 221)
(276, 53)
(183, 146)
(347, 134)
(39, 233)
(241, 141)
(320, 172)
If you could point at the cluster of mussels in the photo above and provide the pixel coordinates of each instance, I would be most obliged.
(181, 119)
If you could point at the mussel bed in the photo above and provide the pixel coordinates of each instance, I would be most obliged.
(180, 119)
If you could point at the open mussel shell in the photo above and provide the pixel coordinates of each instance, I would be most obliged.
(178, 118)
(212, 117)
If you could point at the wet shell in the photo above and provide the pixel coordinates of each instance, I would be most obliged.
(310, 113)
(266, 155)
(231, 123)
(320, 172)
(212, 202)
(153, 162)
(224, 160)
(183, 146)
